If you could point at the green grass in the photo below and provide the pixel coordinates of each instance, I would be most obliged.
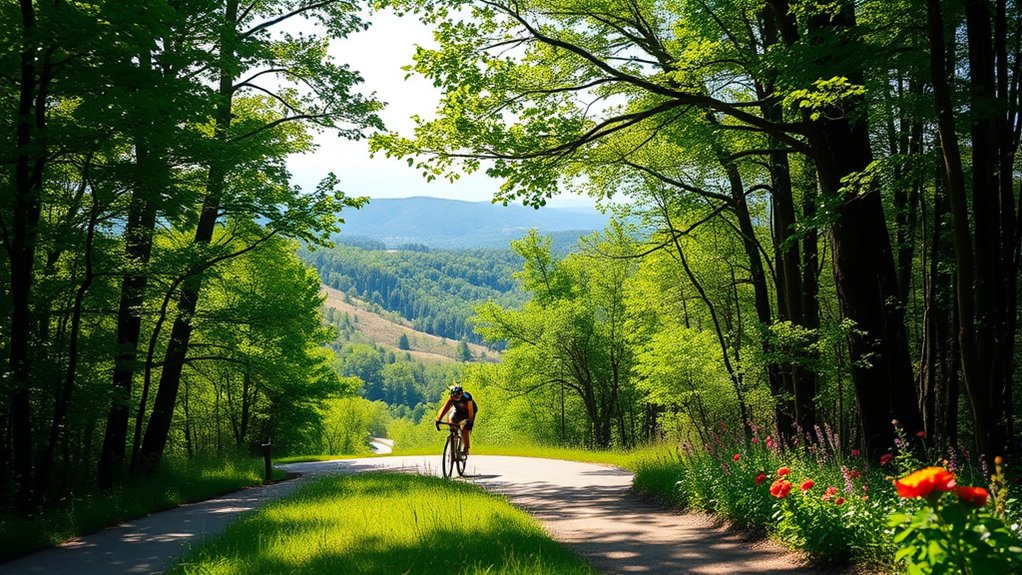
(385, 523)
(627, 459)
(630, 459)
(176, 483)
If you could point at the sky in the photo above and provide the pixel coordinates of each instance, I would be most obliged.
(378, 54)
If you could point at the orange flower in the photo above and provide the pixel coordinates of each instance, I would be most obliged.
(976, 496)
(924, 482)
(783, 471)
(760, 478)
(780, 488)
(807, 485)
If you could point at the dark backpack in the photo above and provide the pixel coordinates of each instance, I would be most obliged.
(475, 406)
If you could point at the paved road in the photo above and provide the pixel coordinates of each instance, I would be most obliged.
(588, 507)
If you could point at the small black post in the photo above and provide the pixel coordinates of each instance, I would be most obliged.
(266, 461)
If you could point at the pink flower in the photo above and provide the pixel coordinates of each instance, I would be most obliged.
(886, 458)
(855, 453)
(755, 440)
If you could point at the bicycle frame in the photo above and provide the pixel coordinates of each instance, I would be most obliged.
(451, 456)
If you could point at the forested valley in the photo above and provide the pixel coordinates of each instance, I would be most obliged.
(435, 289)
(813, 257)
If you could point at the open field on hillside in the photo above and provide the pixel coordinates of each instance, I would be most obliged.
(386, 332)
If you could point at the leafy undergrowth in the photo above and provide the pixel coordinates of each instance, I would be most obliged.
(174, 484)
(385, 523)
(834, 504)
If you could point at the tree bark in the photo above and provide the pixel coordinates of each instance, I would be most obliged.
(31, 154)
(138, 235)
(863, 264)
(158, 430)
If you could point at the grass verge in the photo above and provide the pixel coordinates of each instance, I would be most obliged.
(385, 523)
(630, 459)
(173, 485)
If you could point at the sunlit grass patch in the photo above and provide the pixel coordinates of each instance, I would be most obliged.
(627, 459)
(176, 482)
(385, 523)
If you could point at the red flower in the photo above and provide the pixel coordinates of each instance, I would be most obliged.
(807, 485)
(737, 456)
(780, 488)
(855, 453)
(920, 434)
(924, 482)
(783, 471)
(854, 474)
(886, 458)
(976, 496)
(755, 440)
(760, 478)
(831, 491)
(839, 501)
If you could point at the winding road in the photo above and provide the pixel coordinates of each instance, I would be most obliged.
(588, 507)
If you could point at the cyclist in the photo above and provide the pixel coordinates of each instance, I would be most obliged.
(464, 411)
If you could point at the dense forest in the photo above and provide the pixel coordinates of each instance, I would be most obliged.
(833, 189)
(153, 302)
(435, 289)
(816, 234)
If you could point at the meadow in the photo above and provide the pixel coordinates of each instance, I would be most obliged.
(385, 523)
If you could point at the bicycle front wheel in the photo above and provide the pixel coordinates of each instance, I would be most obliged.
(450, 456)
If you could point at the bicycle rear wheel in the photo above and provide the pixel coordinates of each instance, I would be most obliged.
(450, 457)
(462, 459)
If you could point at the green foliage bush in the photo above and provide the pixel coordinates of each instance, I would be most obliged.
(843, 515)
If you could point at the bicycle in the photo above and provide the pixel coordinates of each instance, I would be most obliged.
(452, 457)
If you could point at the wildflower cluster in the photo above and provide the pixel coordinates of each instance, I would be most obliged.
(955, 530)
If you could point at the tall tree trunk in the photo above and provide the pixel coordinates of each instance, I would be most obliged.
(784, 409)
(810, 265)
(985, 253)
(863, 263)
(162, 414)
(138, 235)
(30, 163)
(58, 425)
(791, 300)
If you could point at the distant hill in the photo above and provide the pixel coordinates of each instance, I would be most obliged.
(361, 323)
(441, 223)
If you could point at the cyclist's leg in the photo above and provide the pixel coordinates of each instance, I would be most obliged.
(466, 432)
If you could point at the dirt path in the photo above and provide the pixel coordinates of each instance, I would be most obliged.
(588, 507)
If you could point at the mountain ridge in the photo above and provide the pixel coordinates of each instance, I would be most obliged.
(444, 223)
